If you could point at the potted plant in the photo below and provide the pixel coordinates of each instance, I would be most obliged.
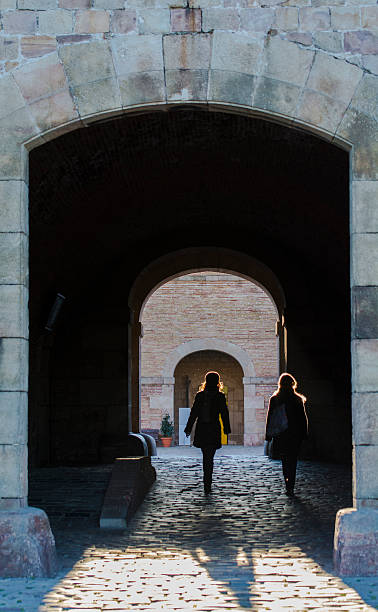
(166, 430)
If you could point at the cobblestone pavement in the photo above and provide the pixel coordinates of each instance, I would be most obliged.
(244, 547)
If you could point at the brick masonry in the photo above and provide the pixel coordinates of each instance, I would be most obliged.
(202, 306)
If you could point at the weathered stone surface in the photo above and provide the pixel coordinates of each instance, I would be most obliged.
(364, 370)
(345, 18)
(329, 41)
(303, 38)
(235, 52)
(256, 19)
(365, 418)
(19, 22)
(312, 19)
(13, 418)
(14, 130)
(35, 5)
(369, 17)
(366, 96)
(360, 129)
(365, 259)
(55, 110)
(366, 483)
(334, 78)
(142, 88)
(8, 5)
(97, 96)
(41, 78)
(187, 51)
(67, 39)
(57, 22)
(123, 21)
(220, 19)
(8, 48)
(370, 62)
(13, 206)
(14, 311)
(365, 312)
(13, 252)
(286, 18)
(153, 21)
(90, 21)
(364, 208)
(321, 111)
(27, 546)
(87, 62)
(108, 4)
(276, 96)
(13, 471)
(362, 41)
(186, 84)
(186, 20)
(13, 364)
(286, 61)
(10, 96)
(233, 87)
(36, 46)
(74, 4)
(355, 542)
(137, 54)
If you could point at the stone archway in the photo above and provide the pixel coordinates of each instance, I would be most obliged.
(91, 81)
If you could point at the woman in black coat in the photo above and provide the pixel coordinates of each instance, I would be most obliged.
(288, 442)
(208, 405)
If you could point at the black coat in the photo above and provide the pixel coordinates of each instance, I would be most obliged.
(206, 410)
(296, 417)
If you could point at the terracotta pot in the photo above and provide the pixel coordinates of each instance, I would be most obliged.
(166, 442)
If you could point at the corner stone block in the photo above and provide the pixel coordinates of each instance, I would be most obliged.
(13, 365)
(186, 85)
(13, 418)
(13, 206)
(87, 62)
(365, 365)
(236, 52)
(364, 206)
(355, 551)
(14, 311)
(97, 97)
(134, 54)
(287, 62)
(13, 470)
(365, 312)
(276, 96)
(13, 259)
(322, 111)
(53, 111)
(361, 130)
(27, 545)
(334, 78)
(187, 51)
(366, 476)
(233, 87)
(365, 259)
(10, 96)
(142, 88)
(365, 418)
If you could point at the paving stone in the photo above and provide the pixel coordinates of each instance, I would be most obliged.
(245, 546)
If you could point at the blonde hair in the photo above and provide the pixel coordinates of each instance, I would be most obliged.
(202, 387)
(288, 381)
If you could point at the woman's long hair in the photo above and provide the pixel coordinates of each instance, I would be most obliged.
(288, 385)
(212, 382)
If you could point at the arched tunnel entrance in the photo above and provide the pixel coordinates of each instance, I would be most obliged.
(108, 200)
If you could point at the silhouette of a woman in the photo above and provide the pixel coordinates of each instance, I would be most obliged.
(209, 403)
(289, 441)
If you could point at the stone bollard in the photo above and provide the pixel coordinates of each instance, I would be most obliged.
(355, 550)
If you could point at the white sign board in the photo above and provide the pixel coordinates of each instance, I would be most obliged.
(183, 419)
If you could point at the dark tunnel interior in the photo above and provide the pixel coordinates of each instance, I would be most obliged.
(107, 200)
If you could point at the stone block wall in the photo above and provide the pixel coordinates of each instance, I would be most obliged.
(206, 306)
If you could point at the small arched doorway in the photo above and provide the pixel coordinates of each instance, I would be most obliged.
(189, 374)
